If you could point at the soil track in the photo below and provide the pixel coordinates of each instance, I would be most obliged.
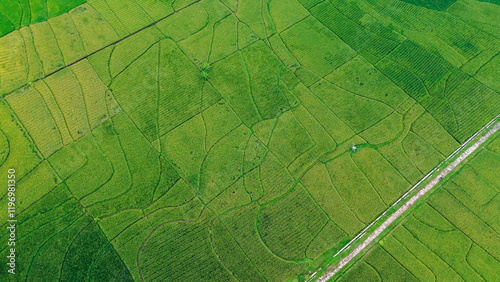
(330, 273)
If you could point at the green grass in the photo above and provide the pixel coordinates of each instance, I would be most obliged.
(218, 120)
(94, 93)
(68, 94)
(485, 164)
(187, 161)
(143, 174)
(222, 167)
(469, 224)
(433, 133)
(83, 182)
(262, 68)
(453, 253)
(108, 141)
(286, 13)
(123, 9)
(403, 78)
(129, 51)
(54, 219)
(35, 70)
(18, 151)
(198, 45)
(68, 160)
(182, 92)
(483, 263)
(327, 238)
(329, 121)
(233, 197)
(108, 266)
(478, 188)
(182, 25)
(14, 67)
(225, 38)
(350, 30)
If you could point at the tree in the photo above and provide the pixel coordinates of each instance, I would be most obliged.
(205, 70)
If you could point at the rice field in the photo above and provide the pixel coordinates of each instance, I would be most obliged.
(222, 140)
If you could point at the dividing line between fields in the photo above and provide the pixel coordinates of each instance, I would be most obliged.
(329, 274)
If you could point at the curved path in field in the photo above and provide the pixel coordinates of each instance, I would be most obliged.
(330, 273)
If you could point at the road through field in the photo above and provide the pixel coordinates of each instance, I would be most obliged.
(329, 274)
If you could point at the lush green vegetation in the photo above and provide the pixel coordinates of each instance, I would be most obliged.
(224, 140)
(16, 14)
(454, 235)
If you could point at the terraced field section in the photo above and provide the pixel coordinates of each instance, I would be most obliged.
(227, 140)
(452, 236)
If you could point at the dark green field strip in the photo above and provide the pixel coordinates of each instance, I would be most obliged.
(431, 4)
(15, 15)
